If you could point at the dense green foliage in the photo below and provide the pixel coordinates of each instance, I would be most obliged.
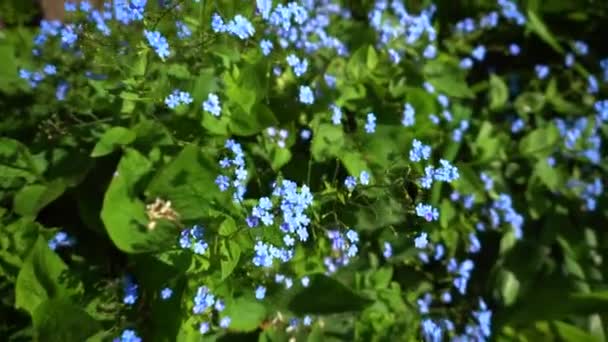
(114, 218)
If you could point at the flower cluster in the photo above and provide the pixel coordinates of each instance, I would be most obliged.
(239, 26)
(61, 239)
(278, 136)
(178, 97)
(237, 166)
(158, 42)
(299, 65)
(427, 212)
(130, 290)
(212, 105)
(192, 238)
(419, 151)
(343, 248)
(206, 303)
(293, 221)
(446, 172)
(351, 182)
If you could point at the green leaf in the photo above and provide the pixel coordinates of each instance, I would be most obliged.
(549, 301)
(124, 214)
(279, 157)
(539, 142)
(16, 242)
(17, 165)
(43, 276)
(529, 102)
(59, 320)
(325, 295)
(447, 77)
(245, 87)
(372, 57)
(188, 181)
(569, 332)
(111, 139)
(246, 313)
(8, 72)
(327, 142)
(249, 123)
(33, 198)
(488, 144)
(536, 25)
(230, 253)
(499, 92)
(509, 287)
(178, 71)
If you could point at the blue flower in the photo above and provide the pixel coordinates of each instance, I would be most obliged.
(219, 305)
(217, 23)
(331, 80)
(394, 56)
(592, 85)
(517, 125)
(443, 100)
(488, 183)
(514, 49)
(581, 47)
(61, 239)
(387, 251)
(129, 10)
(305, 281)
(474, 244)
(431, 331)
(419, 151)
(364, 178)
(510, 12)
(50, 69)
(479, 53)
(61, 91)
(69, 6)
(158, 43)
(204, 328)
(542, 71)
(430, 52)
(427, 180)
(212, 105)
(408, 115)
(427, 212)
(203, 300)
(166, 293)
(183, 31)
(266, 46)
(128, 335)
(370, 124)
(241, 27)
(421, 241)
(306, 95)
(299, 65)
(490, 20)
(446, 172)
(350, 182)
(130, 291)
(264, 7)
(466, 63)
(68, 36)
(260, 292)
(336, 116)
(225, 322)
(178, 97)
(428, 87)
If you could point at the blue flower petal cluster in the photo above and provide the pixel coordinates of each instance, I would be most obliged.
(236, 165)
